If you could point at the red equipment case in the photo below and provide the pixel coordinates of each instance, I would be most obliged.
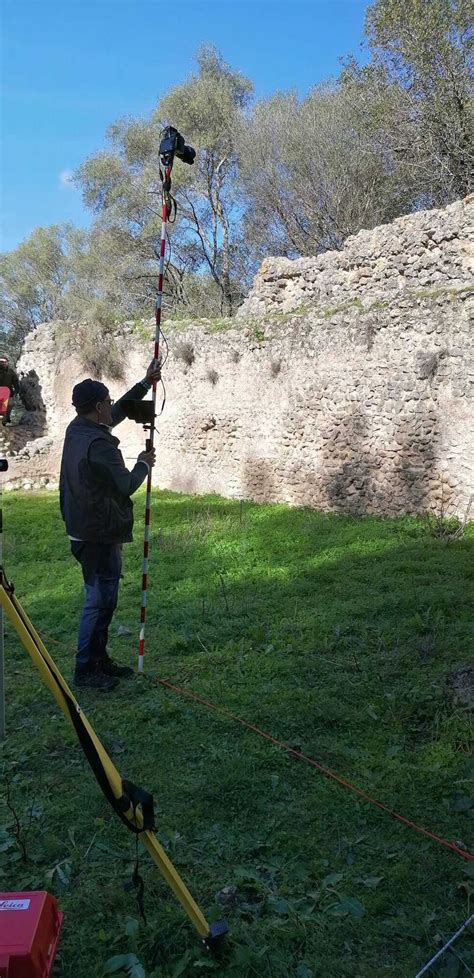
(29, 932)
(5, 394)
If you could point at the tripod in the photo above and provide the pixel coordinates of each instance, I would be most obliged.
(132, 804)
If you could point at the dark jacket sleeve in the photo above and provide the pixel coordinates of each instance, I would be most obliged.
(106, 459)
(136, 393)
(9, 378)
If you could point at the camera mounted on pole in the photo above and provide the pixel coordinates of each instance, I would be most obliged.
(172, 144)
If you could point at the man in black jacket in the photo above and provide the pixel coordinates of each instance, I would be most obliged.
(95, 489)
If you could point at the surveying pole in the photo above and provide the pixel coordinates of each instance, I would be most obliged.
(171, 144)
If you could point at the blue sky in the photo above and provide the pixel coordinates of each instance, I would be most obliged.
(69, 69)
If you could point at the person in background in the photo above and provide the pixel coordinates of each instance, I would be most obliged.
(8, 378)
(95, 491)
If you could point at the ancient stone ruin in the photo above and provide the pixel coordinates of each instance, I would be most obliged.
(346, 382)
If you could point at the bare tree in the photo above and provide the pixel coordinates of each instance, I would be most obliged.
(426, 50)
(317, 170)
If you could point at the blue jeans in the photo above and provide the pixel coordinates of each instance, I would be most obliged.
(101, 569)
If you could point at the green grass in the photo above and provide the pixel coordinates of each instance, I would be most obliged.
(221, 324)
(334, 634)
(444, 290)
(285, 317)
(355, 305)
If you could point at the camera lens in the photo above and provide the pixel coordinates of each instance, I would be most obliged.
(187, 155)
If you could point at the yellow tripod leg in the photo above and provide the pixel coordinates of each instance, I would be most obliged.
(60, 690)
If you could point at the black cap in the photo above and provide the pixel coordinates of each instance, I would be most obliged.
(88, 392)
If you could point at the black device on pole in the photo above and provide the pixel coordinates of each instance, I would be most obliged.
(172, 144)
(142, 412)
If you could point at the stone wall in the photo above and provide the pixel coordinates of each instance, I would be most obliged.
(346, 382)
(429, 250)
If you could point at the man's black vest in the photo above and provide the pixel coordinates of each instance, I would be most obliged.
(91, 506)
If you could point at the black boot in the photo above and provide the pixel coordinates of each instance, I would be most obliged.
(110, 668)
(95, 680)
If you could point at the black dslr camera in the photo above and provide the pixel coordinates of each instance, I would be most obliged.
(172, 144)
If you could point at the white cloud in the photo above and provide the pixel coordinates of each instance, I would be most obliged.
(65, 180)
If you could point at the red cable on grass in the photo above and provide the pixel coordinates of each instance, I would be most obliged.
(464, 853)
(319, 767)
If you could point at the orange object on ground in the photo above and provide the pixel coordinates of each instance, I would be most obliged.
(30, 923)
(5, 393)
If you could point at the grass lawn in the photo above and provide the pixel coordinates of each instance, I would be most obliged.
(334, 634)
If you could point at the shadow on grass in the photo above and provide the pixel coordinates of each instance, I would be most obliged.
(255, 603)
(334, 634)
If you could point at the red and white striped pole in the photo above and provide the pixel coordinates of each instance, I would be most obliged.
(150, 441)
